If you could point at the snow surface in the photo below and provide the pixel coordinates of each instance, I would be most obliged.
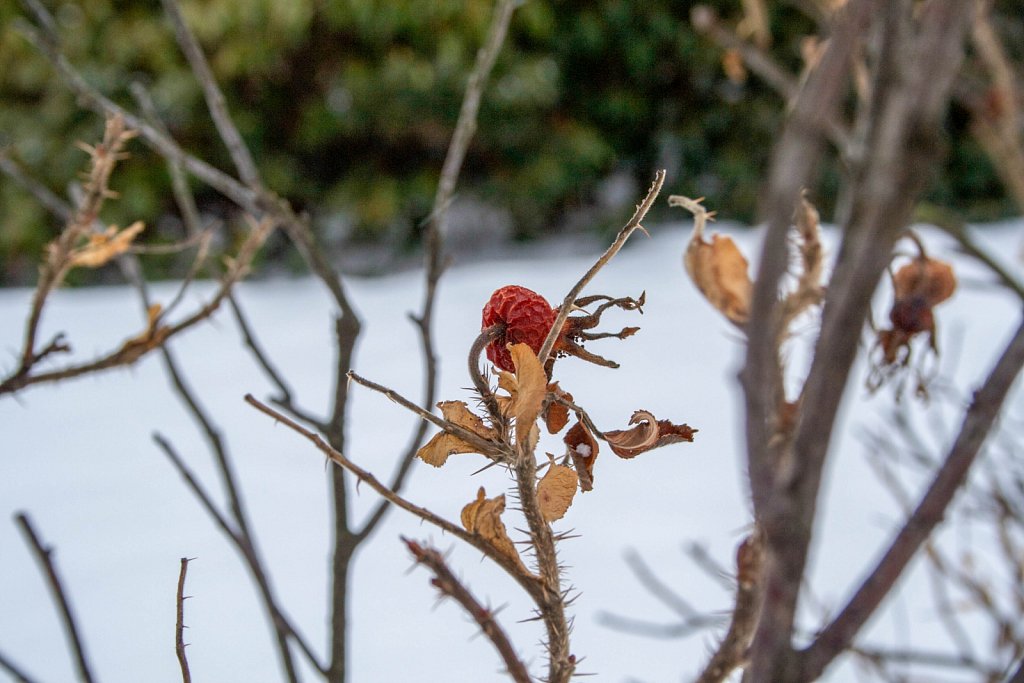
(79, 458)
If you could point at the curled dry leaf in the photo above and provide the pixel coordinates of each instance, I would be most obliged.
(556, 415)
(555, 491)
(482, 517)
(648, 433)
(106, 245)
(527, 389)
(582, 447)
(718, 268)
(436, 451)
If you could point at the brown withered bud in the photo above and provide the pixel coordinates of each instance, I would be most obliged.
(918, 287)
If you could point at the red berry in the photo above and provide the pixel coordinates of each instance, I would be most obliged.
(527, 317)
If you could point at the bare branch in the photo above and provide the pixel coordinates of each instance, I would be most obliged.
(529, 583)
(450, 586)
(179, 626)
(911, 103)
(977, 424)
(42, 553)
(196, 487)
(155, 335)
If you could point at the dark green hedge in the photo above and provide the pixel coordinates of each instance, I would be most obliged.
(348, 106)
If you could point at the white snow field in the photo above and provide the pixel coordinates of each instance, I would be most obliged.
(79, 458)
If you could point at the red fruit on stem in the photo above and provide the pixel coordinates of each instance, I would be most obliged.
(527, 317)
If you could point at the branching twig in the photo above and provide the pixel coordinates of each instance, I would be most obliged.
(450, 586)
(620, 240)
(155, 335)
(42, 553)
(93, 99)
(179, 626)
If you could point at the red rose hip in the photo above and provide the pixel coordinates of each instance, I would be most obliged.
(527, 317)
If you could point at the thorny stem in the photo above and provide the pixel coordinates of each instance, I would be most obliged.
(449, 585)
(620, 240)
(179, 626)
(551, 602)
(479, 382)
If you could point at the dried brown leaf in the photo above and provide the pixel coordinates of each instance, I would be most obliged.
(717, 268)
(527, 388)
(648, 433)
(457, 412)
(436, 451)
(556, 416)
(582, 447)
(106, 245)
(555, 491)
(482, 517)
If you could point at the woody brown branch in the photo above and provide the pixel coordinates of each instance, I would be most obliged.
(785, 483)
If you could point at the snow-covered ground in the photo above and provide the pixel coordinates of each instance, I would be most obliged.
(79, 458)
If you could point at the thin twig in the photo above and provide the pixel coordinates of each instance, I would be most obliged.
(620, 240)
(43, 195)
(16, 672)
(179, 626)
(43, 553)
(154, 337)
(487, 448)
(656, 587)
(449, 585)
(214, 97)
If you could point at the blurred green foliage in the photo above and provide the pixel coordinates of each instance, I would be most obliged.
(348, 106)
